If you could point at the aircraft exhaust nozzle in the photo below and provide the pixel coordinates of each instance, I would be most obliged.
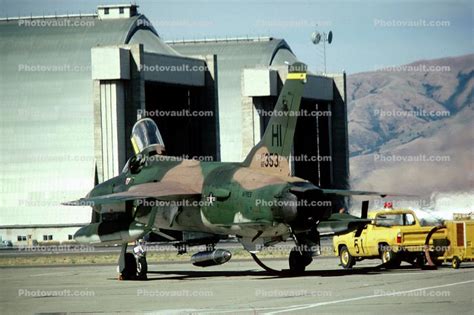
(211, 258)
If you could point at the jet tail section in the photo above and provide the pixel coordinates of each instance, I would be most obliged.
(273, 151)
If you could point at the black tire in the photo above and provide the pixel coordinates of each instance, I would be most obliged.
(434, 258)
(347, 260)
(411, 259)
(420, 261)
(130, 270)
(299, 260)
(456, 263)
(142, 268)
(395, 263)
(389, 257)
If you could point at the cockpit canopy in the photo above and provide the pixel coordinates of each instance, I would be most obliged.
(146, 141)
(145, 135)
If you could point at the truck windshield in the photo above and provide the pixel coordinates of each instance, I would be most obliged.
(395, 219)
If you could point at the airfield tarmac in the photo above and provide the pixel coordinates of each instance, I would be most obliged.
(239, 287)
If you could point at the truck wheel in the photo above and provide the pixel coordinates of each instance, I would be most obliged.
(420, 261)
(347, 260)
(388, 257)
(456, 262)
(435, 260)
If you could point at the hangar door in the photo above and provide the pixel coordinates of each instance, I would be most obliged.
(312, 142)
(186, 120)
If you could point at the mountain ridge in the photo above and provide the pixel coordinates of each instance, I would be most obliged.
(406, 111)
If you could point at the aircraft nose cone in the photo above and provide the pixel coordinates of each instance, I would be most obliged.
(80, 235)
(222, 255)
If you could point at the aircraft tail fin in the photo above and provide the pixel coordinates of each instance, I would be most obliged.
(273, 151)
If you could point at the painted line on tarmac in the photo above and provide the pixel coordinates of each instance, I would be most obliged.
(414, 273)
(307, 306)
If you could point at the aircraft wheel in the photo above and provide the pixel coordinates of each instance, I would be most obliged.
(347, 260)
(142, 268)
(130, 270)
(299, 260)
(456, 263)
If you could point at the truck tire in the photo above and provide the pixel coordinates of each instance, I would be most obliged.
(388, 257)
(347, 260)
(456, 263)
(420, 261)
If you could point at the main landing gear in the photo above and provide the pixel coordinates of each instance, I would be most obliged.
(133, 266)
(307, 246)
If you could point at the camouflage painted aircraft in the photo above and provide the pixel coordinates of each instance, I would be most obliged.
(189, 202)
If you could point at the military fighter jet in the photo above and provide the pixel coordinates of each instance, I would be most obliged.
(189, 202)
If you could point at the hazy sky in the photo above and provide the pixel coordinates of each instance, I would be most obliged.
(367, 34)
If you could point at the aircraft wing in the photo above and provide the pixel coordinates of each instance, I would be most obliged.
(306, 186)
(158, 190)
(343, 192)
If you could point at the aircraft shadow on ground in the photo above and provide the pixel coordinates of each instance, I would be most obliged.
(265, 275)
(261, 274)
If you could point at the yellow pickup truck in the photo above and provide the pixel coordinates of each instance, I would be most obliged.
(393, 236)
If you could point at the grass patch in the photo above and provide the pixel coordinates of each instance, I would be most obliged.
(112, 258)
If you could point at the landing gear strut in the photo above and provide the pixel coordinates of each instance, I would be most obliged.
(142, 265)
(307, 246)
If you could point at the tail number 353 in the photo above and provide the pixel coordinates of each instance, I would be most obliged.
(270, 160)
